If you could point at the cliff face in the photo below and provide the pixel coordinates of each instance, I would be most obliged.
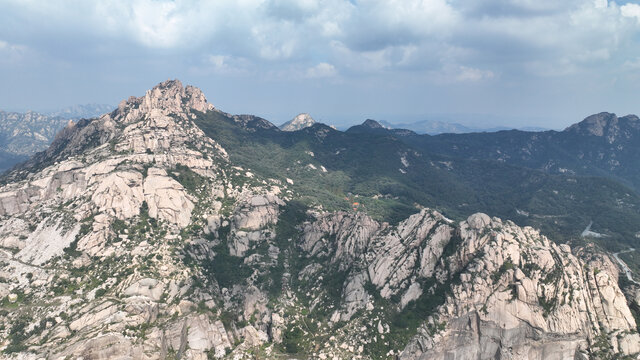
(135, 236)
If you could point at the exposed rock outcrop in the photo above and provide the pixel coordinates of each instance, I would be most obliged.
(299, 122)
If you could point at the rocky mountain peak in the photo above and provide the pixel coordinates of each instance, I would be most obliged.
(607, 126)
(155, 122)
(595, 124)
(169, 97)
(299, 122)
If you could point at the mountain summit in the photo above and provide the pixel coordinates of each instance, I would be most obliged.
(299, 122)
(370, 123)
(608, 126)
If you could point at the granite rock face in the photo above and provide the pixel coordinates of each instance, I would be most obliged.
(511, 293)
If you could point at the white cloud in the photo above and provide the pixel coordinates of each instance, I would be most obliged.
(631, 11)
(632, 64)
(227, 65)
(321, 70)
(12, 53)
(468, 74)
(364, 36)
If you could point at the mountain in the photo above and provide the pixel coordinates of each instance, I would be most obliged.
(430, 127)
(170, 229)
(85, 111)
(435, 127)
(299, 122)
(601, 145)
(391, 177)
(373, 126)
(24, 134)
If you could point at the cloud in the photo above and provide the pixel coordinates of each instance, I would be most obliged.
(467, 74)
(417, 45)
(321, 70)
(227, 65)
(631, 11)
(356, 37)
(13, 53)
(377, 24)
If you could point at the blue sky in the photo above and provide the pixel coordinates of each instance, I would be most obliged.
(542, 63)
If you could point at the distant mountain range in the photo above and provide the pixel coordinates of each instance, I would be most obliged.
(24, 134)
(86, 111)
(434, 127)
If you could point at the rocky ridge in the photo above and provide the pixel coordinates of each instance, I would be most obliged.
(135, 236)
(606, 125)
(500, 291)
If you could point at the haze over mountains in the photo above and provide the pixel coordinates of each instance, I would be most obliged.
(82, 111)
(435, 127)
(24, 134)
(168, 228)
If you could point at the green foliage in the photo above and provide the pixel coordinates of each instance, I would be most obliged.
(292, 340)
(118, 226)
(547, 305)
(85, 228)
(452, 245)
(100, 292)
(17, 335)
(64, 287)
(506, 265)
(22, 299)
(623, 282)
(403, 325)
(287, 233)
(554, 275)
(601, 348)
(226, 268)
(192, 181)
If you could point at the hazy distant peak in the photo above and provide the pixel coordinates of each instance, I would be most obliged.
(299, 122)
(82, 111)
(372, 124)
(608, 126)
(595, 124)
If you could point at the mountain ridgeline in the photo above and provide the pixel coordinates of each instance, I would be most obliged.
(503, 173)
(169, 229)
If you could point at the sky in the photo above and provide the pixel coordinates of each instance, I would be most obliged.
(545, 63)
